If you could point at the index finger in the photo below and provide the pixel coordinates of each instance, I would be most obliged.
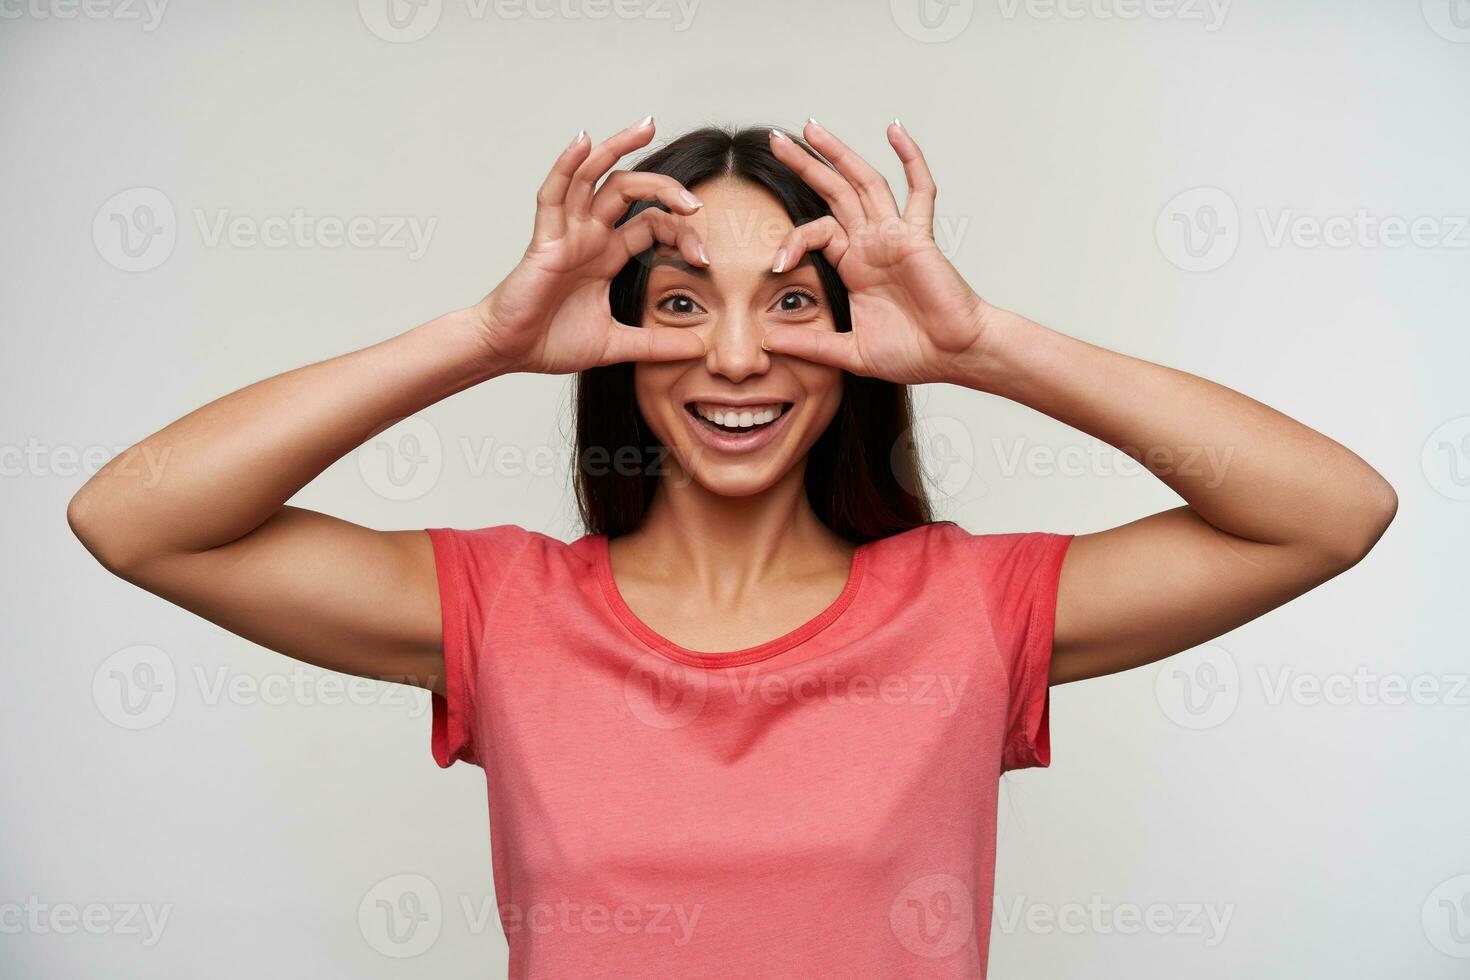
(877, 196)
(601, 160)
(832, 186)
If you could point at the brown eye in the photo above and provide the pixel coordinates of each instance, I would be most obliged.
(679, 305)
(795, 302)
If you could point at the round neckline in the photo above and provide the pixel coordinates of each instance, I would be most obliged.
(732, 658)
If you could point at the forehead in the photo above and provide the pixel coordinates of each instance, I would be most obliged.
(739, 216)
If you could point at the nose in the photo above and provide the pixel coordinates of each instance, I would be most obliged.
(735, 350)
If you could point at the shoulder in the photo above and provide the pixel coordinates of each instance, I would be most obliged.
(942, 537)
(947, 550)
(492, 553)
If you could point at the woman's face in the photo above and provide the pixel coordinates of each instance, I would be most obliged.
(741, 418)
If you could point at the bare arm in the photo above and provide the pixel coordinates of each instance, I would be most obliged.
(214, 534)
(1272, 507)
(215, 537)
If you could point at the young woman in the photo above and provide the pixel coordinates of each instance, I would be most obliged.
(752, 724)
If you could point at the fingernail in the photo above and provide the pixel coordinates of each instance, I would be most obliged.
(897, 123)
(703, 255)
(690, 199)
(812, 121)
(647, 121)
(780, 265)
(581, 135)
(764, 345)
(780, 136)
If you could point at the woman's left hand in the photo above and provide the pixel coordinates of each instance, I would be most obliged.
(914, 318)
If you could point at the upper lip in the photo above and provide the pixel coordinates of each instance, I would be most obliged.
(741, 401)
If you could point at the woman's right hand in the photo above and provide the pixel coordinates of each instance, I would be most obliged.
(211, 532)
(551, 315)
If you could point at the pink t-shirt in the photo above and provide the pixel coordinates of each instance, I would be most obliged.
(821, 805)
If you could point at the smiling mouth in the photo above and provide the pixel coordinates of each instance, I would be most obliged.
(737, 419)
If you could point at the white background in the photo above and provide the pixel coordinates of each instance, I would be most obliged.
(1331, 830)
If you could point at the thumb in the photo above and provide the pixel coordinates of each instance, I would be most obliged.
(625, 343)
(837, 350)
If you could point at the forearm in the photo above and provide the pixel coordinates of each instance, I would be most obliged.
(226, 468)
(1243, 467)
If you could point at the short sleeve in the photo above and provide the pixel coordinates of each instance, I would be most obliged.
(471, 567)
(1021, 573)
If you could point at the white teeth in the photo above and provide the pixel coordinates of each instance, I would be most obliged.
(743, 418)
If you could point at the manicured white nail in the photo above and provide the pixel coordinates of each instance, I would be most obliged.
(581, 135)
(812, 121)
(647, 121)
(780, 136)
(780, 265)
(703, 255)
(690, 199)
(897, 123)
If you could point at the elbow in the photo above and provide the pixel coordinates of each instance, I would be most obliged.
(90, 521)
(1366, 522)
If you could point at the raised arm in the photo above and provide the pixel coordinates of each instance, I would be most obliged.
(1272, 508)
(214, 534)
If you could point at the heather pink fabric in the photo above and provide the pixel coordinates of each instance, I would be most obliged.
(822, 805)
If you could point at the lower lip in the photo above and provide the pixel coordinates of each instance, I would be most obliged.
(732, 442)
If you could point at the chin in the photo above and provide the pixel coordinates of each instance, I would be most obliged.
(736, 481)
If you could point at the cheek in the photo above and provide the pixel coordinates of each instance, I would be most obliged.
(652, 388)
(822, 385)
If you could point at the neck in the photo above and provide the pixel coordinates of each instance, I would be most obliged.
(724, 545)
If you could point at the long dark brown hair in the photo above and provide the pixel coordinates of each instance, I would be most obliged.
(862, 473)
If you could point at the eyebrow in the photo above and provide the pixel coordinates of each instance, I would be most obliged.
(676, 261)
